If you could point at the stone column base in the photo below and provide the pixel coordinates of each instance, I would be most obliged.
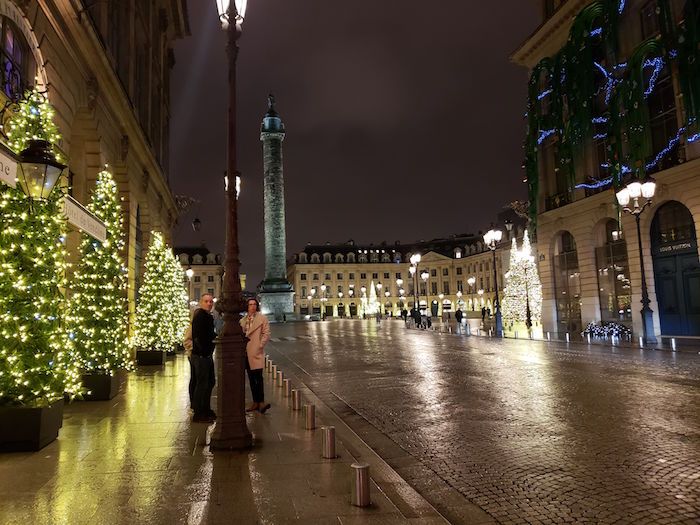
(279, 306)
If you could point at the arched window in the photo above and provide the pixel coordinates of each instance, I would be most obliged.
(397, 257)
(567, 284)
(386, 257)
(374, 257)
(184, 258)
(339, 257)
(302, 258)
(18, 66)
(458, 253)
(351, 257)
(363, 258)
(614, 290)
(315, 258)
(327, 257)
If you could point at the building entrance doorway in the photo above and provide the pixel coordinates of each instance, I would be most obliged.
(676, 270)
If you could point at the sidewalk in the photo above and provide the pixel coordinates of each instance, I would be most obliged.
(139, 459)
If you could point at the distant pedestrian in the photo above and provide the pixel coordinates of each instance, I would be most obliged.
(404, 314)
(458, 317)
(256, 328)
(483, 314)
(203, 336)
(416, 317)
(378, 317)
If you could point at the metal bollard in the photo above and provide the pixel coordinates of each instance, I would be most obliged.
(673, 344)
(548, 337)
(360, 485)
(267, 362)
(280, 378)
(328, 443)
(489, 332)
(287, 387)
(309, 416)
(567, 337)
(516, 334)
(273, 370)
(641, 342)
(296, 399)
(588, 336)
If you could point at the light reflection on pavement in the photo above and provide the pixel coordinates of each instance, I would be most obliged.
(529, 431)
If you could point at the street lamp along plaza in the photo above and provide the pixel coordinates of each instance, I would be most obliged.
(635, 191)
(231, 430)
(471, 282)
(40, 170)
(491, 239)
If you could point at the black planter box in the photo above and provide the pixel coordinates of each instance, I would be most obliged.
(28, 429)
(102, 387)
(150, 357)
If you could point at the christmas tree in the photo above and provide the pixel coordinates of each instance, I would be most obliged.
(522, 290)
(98, 306)
(36, 365)
(161, 315)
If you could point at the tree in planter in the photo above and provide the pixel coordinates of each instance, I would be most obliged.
(161, 315)
(98, 306)
(36, 362)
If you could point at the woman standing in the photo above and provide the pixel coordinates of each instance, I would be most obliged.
(257, 329)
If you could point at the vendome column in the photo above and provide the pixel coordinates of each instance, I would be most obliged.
(276, 292)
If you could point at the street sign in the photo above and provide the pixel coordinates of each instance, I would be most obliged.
(81, 218)
(8, 169)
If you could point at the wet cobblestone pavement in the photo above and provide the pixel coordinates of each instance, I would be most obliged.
(528, 431)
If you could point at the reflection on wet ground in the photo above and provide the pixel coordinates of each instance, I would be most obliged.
(528, 431)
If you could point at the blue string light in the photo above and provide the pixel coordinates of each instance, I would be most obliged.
(693, 138)
(621, 7)
(595, 185)
(544, 94)
(544, 133)
(671, 144)
(597, 31)
(658, 64)
(599, 120)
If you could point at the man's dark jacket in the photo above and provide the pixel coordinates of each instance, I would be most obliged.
(203, 333)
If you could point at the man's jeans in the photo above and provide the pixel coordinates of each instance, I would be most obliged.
(205, 379)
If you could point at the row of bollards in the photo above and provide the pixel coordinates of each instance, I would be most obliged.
(360, 491)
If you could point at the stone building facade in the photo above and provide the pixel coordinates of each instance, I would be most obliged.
(207, 275)
(629, 67)
(344, 269)
(105, 67)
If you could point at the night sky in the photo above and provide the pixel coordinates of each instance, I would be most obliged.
(403, 123)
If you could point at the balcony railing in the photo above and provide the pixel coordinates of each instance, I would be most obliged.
(557, 201)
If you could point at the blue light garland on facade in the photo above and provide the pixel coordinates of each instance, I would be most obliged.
(671, 144)
(544, 94)
(658, 64)
(544, 133)
(595, 185)
(621, 7)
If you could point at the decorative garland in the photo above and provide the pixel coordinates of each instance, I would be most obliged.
(571, 85)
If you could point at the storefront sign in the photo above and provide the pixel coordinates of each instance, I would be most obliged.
(673, 248)
(81, 218)
(8, 169)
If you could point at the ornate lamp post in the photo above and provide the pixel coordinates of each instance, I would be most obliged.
(634, 191)
(231, 431)
(492, 238)
(415, 260)
(323, 300)
(471, 282)
(399, 283)
(424, 275)
(460, 303)
(379, 294)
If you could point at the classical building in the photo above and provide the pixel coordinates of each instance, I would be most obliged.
(105, 67)
(330, 280)
(204, 272)
(614, 95)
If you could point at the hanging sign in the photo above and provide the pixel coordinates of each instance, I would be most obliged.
(8, 169)
(81, 218)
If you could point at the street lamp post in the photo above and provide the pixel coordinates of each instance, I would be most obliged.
(415, 260)
(231, 430)
(424, 275)
(492, 238)
(189, 273)
(471, 282)
(399, 283)
(634, 191)
(379, 294)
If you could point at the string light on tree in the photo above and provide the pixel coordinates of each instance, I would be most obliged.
(98, 306)
(162, 313)
(523, 290)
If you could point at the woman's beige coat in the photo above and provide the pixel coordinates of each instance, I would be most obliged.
(258, 335)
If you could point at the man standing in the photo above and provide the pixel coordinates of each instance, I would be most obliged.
(202, 350)
(458, 318)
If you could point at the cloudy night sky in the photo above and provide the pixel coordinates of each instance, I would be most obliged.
(403, 123)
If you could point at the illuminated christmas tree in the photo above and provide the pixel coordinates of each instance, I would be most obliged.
(161, 315)
(523, 289)
(36, 364)
(98, 306)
